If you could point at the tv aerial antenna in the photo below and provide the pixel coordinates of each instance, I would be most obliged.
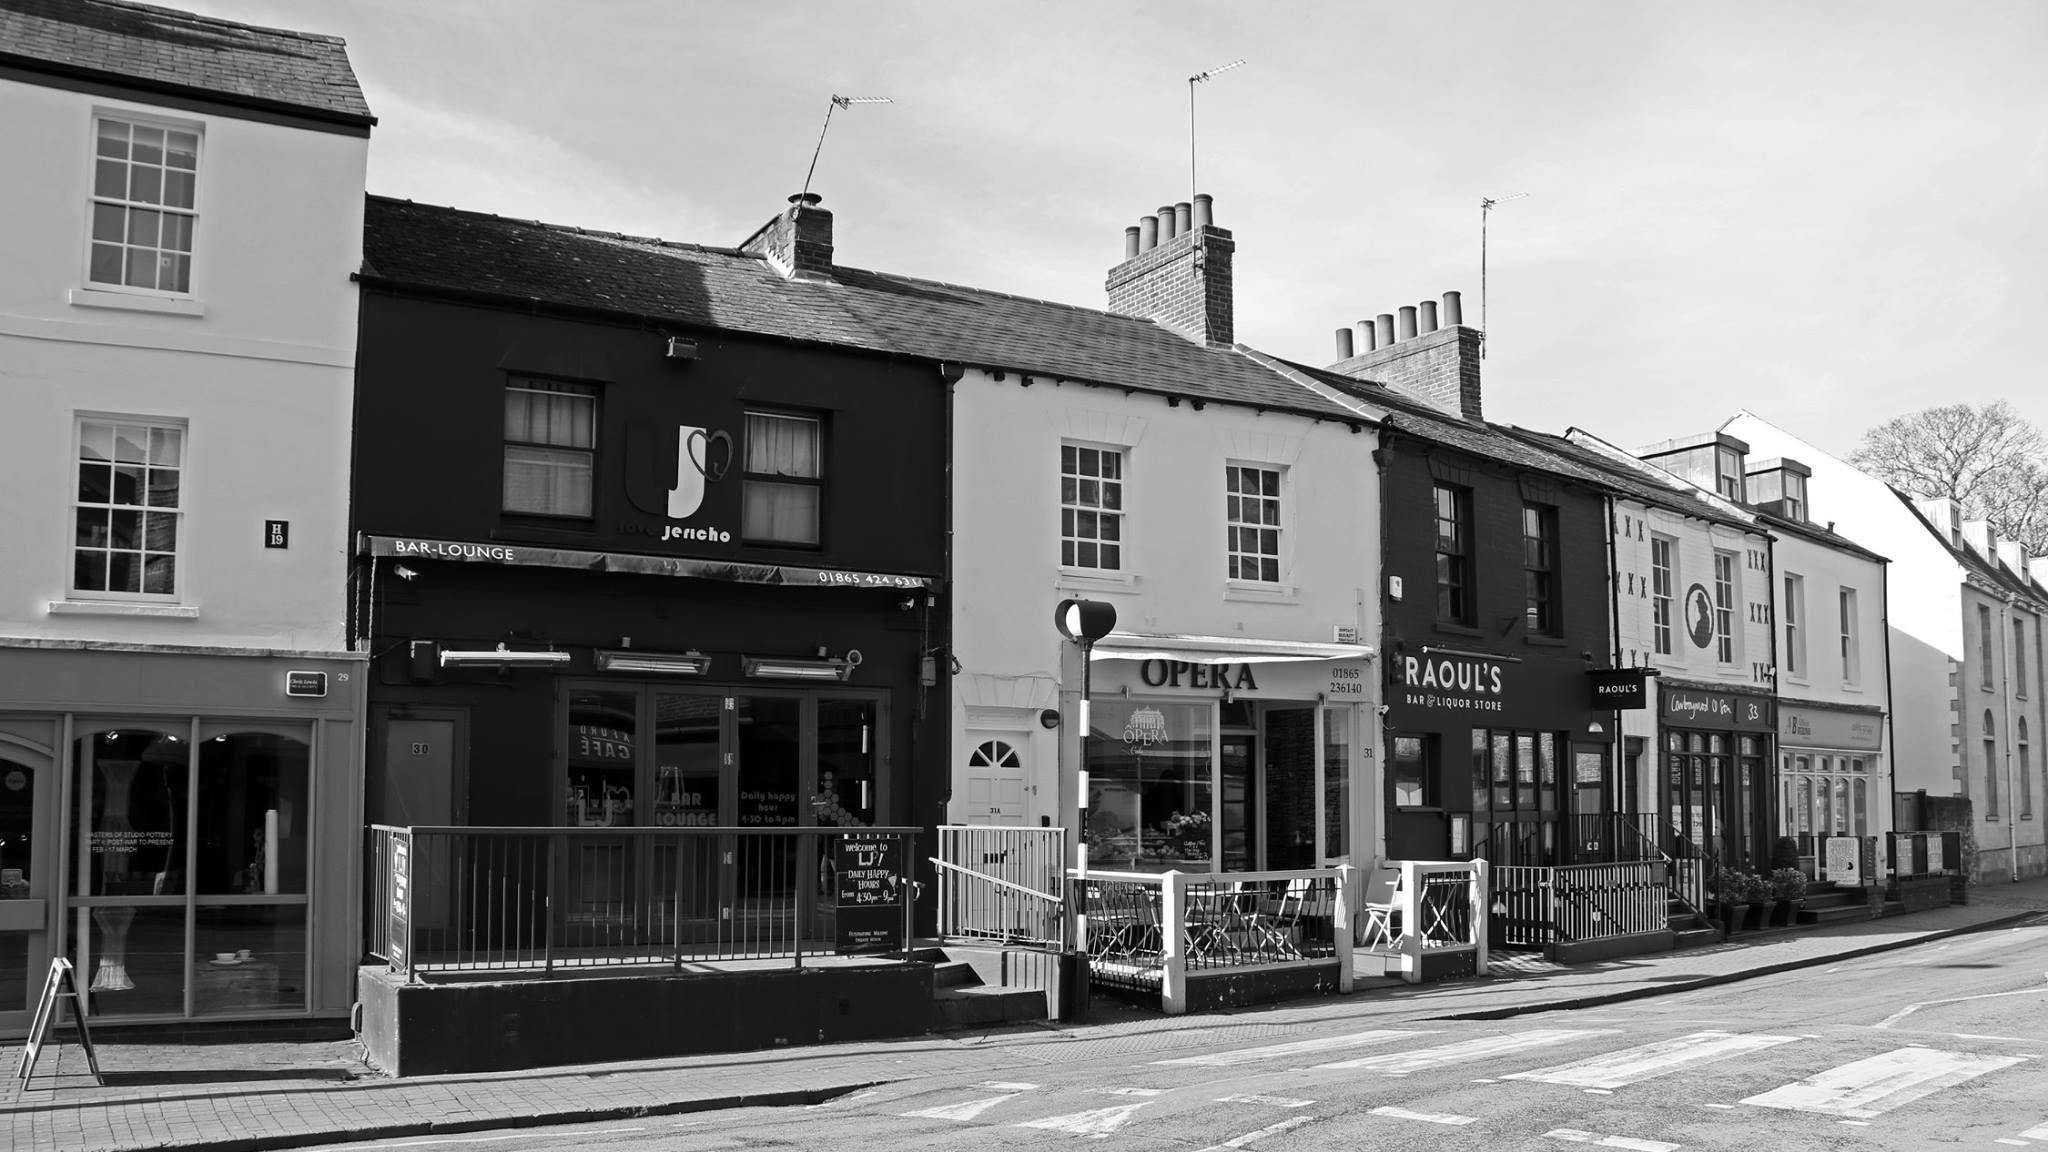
(837, 102)
(1198, 78)
(1486, 206)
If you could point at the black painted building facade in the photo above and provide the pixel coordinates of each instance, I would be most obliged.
(622, 567)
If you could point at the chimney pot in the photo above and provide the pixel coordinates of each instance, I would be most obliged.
(1344, 344)
(1365, 335)
(1428, 315)
(1205, 211)
(1385, 321)
(1148, 233)
(1183, 214)
(1407, 322)
(806, 199)
(1454, 310)
(1130, 241)
(1167, 230)
(1185, 289)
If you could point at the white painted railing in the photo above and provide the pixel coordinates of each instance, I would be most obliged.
(1002, 883)
(1410, 909)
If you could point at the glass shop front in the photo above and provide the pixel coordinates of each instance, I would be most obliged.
(1226, 767)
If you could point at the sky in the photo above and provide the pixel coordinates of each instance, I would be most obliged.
(1829, 212)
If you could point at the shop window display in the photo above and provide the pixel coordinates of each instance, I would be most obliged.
(1150, 803)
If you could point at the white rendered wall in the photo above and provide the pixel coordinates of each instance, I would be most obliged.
(262, 374)
(1828, 570)
(1006, 546)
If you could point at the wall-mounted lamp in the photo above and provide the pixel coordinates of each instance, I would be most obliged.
(501, 657)
(681, 348)
(658, 663)
(404, 573)
(795, 668)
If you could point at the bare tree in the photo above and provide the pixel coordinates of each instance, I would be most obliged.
(1988, 459)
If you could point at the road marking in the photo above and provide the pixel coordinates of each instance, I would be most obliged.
(1464, 1051)
(1726, 1107)
(1275, 1101)
(1268, 1130)
(1296, 1048)
(1006, 1086)
(1577, 1137)
(1096, 1122)
(1881, 1083)
(2021, 1143)
(1857, 1123)
(1630, 1065)
(1599, 1091)
(1128, 1091)
(964, 1111)
(1426, 1117)
(1909, 1009)
(2040, 1133)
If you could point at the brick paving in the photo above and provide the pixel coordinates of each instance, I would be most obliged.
(241, 1097)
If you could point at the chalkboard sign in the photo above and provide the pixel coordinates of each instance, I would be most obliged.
(871, 893)
(62, 984)
(395, 948)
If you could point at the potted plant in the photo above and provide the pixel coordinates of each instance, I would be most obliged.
(1730, 894)
(1788, 888)
(1759, 893)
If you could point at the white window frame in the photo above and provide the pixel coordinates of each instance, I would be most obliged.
(1663, 581)
(1725, 598)
(1795, 625)
(93, 200)
(1234, 527)
(1852, 643)
(751, 477)
(1728, 474)
(1079, 507)
(2019, 657)
(1795, 505)
(179, 581)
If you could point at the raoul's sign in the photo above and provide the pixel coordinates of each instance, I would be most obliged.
(1212, 677)
(1617, 689)
(672, 470)
(1452, 682)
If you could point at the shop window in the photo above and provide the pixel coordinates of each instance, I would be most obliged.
(1337, 749)
(1415, 772)
(144, 197)
(17, 831)
(1150, 804)
(1252, 522)
(1091, 508)
(128, 509)
(1663, 579)
(141, 787)
(1724, 607)
(1454, 554)
(252, 834)
(603, 733)
(1539, 567)
(785, 477)
(550, 447)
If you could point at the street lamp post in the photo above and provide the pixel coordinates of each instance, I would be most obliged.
(1082, 623)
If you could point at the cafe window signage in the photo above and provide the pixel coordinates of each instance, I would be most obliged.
(1697, 709)
(671, 470)
(1460, 683)
(1210, 677)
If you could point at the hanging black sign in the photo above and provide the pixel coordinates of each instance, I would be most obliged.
(1618, 689)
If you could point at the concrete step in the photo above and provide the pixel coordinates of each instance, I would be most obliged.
(955, 974)
(979, 1006)
(1694, 937)
(1834, 913)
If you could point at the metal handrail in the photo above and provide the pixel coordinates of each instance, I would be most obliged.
(998, 882)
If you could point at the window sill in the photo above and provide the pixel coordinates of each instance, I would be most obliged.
(130, 302)
(123, 608)
(1097, 581)
(1253, 592)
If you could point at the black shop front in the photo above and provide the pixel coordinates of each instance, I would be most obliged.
(1717, 780)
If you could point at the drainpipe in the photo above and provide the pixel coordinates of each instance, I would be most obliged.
(2012, 798)
(1891, 721)
(1771, 767)
(1381, 457)
(1614, 653)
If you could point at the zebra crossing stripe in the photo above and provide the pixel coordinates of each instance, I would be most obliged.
(1872, 1087)
(965, 1111)
(1268, 1130)
(1393, 1113)
(1630, 1065)
(1465, 1051)
(1274, 1101)
(1575, 1136)
(1094, 1122)
(2036, 1133)
(1295, 1048)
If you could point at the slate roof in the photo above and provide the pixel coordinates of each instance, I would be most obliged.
(167, 50)
(1673, 496)
(1818, 533)
(461, 252)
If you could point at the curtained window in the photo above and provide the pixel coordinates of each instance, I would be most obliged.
(784, 479)
(550, 447)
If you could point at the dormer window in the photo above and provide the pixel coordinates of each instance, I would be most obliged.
(1795, 496)
(1728, 473)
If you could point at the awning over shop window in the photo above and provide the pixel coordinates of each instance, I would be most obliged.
(519, 556)
(1220, 649)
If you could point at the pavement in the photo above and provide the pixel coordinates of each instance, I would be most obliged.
(248, 1096)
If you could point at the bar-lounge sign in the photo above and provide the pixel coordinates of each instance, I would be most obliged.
(1692, 708)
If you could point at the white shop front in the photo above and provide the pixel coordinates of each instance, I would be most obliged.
(1223, 754)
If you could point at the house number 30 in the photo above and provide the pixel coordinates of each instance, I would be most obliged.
(419, 747)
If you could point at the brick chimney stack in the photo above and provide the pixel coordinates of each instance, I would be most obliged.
(1438, 366)
(1176, 273)
(798, 241)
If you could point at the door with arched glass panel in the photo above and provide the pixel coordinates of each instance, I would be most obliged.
(28, 864)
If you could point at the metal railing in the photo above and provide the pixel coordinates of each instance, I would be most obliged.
(455, 899)
(1413, 908)
(1147, 931)
(1002, 884)
(1539, 907)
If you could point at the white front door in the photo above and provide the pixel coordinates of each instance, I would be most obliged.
(993, 784)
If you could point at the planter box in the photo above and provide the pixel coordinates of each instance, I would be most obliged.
(1920, 893)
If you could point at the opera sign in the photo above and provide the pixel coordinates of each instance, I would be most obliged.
(1463, 683)
(1182, 674)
